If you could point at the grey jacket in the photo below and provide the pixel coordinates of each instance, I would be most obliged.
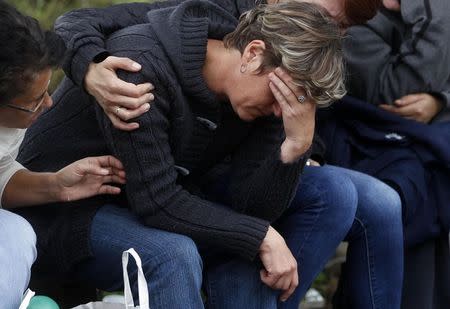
(397, 54)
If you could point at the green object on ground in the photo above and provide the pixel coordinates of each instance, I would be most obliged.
(42, 302)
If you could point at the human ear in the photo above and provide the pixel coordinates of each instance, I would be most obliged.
(253, 55)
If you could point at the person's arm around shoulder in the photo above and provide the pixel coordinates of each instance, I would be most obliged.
(84, 32)
(88, 62)
(81, 179)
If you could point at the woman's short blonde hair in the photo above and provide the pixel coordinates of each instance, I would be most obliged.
(302, 39)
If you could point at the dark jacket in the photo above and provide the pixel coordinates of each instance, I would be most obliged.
(186, 132)
(396, 54)
(412, 157)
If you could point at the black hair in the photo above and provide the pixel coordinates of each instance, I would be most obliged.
(25, 49)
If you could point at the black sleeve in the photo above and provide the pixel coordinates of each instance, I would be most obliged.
(318, 149)
(262, 185)
(152, 190)
(85, 30)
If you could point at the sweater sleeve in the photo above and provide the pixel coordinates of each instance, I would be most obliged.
(84, 31)
(152, 189)
(262, 185)
(382, 69)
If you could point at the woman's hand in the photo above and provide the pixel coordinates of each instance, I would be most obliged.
(120, 100)
(298, 118)
(280, 266)
(89, 177)
(421, 107)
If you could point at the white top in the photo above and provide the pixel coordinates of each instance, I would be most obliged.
(10, 140)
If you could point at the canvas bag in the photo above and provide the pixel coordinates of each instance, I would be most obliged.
(129, 303)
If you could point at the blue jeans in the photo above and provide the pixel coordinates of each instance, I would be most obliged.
(330, 204)
(320, 216)
(373, 273)
(17, 254)
(171, 263)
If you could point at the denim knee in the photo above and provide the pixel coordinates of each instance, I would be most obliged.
(185, 256)
(180, 259)
(338, 192)
(382, 203)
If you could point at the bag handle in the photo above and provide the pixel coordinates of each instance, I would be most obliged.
(26, 299)
(142, 283)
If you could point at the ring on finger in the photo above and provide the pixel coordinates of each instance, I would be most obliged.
(301, 99)
(118, 110)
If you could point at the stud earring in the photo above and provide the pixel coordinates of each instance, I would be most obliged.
(243, 68)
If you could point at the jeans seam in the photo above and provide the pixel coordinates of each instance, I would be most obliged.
(309, 234)
(369, 262)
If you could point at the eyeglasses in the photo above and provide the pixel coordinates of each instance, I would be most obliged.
(29, 110)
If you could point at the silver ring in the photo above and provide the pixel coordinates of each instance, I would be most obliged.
(117, 110)
(301, 99)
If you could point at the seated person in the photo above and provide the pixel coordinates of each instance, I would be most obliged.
(85, 67)
(327, 195)
(27, 56)
(205, 93)
(399, 61)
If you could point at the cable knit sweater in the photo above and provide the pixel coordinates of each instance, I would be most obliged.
(186, 132)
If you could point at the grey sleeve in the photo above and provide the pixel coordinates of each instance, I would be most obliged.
(444, 114)
(383, 69)
(445, 95)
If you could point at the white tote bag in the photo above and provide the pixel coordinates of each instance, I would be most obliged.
(129, 303)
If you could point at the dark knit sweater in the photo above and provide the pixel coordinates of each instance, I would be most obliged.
(186, 132)
(85, 30)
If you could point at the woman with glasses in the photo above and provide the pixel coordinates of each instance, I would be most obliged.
(27, 56)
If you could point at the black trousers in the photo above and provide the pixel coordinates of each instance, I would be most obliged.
(426, 282)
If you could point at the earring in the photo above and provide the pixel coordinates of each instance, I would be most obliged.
(243, 68)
